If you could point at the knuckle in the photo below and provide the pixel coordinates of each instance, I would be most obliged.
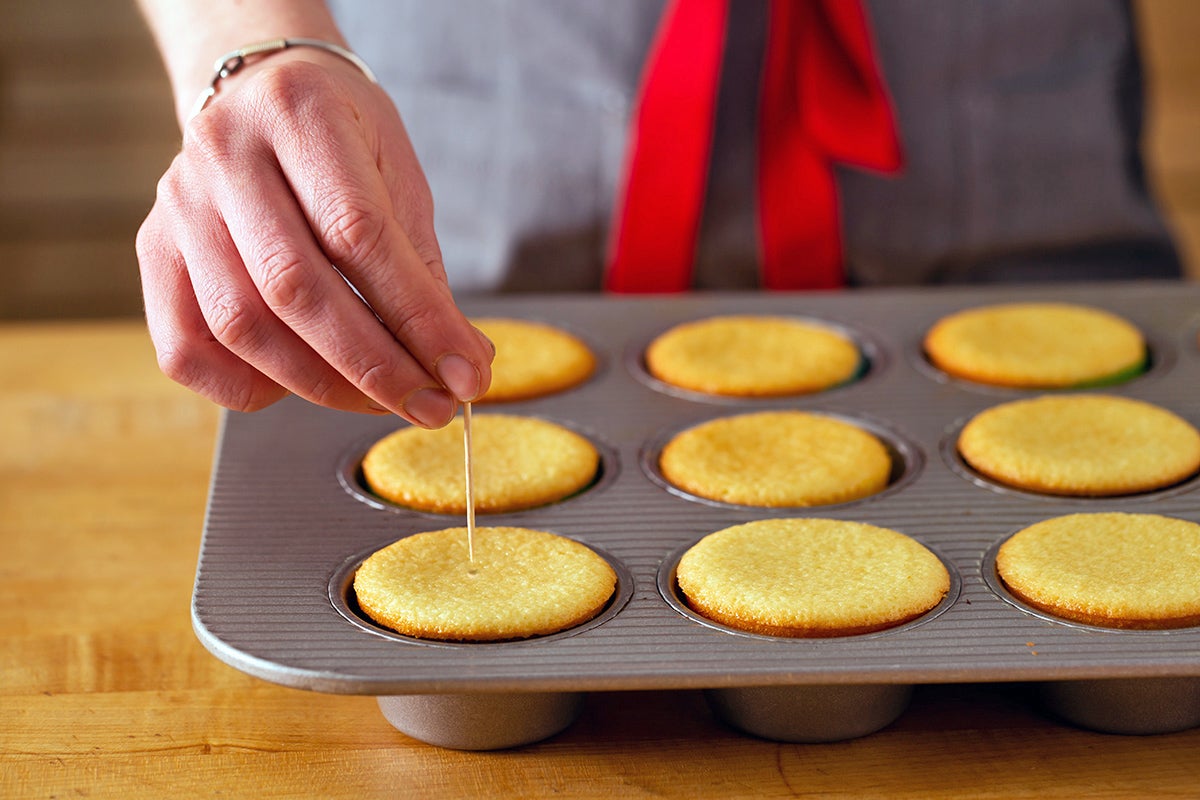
(210, 135)
(293, 97)
(418, 318)
(144, 241)
(246, 398)
(219, 146)
(233, 321)
(180, 361)
(372, 376)
(290, 92)
(324, 391)
(147, 242)
(354, 232)
(236, 395)
(372, 381)
(170, 190)
(286, 283)
(437, 268)
(183, 361)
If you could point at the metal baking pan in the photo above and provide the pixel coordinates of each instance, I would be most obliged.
(289, 520)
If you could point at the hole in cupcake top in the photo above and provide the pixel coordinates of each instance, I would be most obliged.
(526, 583)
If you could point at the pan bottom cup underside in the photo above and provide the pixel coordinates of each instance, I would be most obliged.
(796, 714)
(482, 721)
(1134, 706)
(496, 721)
(804, 714)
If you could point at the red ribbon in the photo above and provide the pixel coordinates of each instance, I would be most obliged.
(823, 101)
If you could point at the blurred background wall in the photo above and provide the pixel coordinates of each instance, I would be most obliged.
(1170, 32)
(86, 128)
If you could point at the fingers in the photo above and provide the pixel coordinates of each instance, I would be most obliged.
(355, 218)
(309, 299)
(242, 300)
(266, 295)
(187, 352)
(212, 330)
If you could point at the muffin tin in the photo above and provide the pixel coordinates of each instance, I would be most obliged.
(289, 520)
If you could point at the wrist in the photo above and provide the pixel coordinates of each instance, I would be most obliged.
(237, 65)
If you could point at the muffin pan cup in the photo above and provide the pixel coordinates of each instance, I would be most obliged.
(288, 517)
(1126, 705)
(809, 714)
(482, 720)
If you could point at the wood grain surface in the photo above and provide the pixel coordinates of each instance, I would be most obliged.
(104, 466)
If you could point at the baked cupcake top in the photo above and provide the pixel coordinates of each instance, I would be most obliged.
(517, 463)
(1036, 346)
(1087, 445)
(752, 356)
(810, 577)
(533, 359)
(777, 459)
(1114, 570)
(522, 583)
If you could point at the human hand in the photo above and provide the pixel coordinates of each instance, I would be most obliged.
(300, 165)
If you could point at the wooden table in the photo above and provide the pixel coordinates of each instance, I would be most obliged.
(104, 466)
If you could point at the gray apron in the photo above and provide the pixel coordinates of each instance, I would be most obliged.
(1020, 122)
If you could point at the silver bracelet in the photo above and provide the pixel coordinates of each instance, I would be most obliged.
(234, 60)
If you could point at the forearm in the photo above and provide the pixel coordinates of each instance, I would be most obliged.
(192, 34)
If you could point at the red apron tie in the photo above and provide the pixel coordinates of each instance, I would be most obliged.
(823, 101)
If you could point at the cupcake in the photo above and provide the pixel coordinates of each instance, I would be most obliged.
(810, 578)
(518, 463)
(777, 459)
(521, 583)
(1114, 570)
(752, 356)
(533, 359)
(1037, 346)
(1084, 445)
